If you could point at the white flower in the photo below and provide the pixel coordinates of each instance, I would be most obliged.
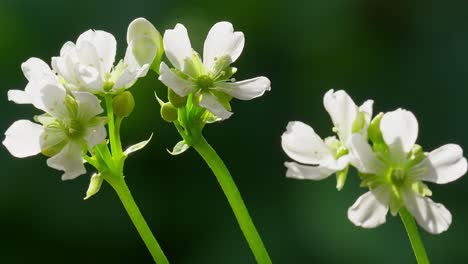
(209, 79)
(302, 144)
(69, 127)
(89, 64)
(395, 173)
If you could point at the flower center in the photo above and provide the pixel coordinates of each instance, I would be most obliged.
(74, 129)
(204, 82)
(398, 176)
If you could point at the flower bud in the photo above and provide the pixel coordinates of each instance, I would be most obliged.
(123, 104)
(169, 112)
(175, 99)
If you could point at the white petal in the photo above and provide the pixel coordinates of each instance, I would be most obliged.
(362, 157)
(301, 143)
(89, 105)
(144, 41)
(19, 97)
(53, 98)
(443, 165)
(105, 45)
(370, 209)
(65, 64)
(96, 135)
(302, 172)
(35, 69)
(342, 110)
(366, 108)
(22, 138)
(90, 78)
(222, 41)
(431, 216)
(210, 102)
(140, 52)
(400, 131)
(69, 160)
(177, 46)
(247, 89)
(170, 79)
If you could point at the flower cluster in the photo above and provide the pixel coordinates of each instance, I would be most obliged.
(392, 166)
(68, 94)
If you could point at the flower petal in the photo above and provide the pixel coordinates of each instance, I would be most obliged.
(19, 97)
(35, 69)
(305, 172)
(362, 157)
(69, 160)
(105, 45)
(177, 46)
(222, 41)
(370, 209)
(91, 71)
(342, 110)
(431, 216)
(366, 108)
(247, 89)
(170, 79)
(96, 135)
(210, 102)
(301, 143)
(143, 40)
(66, 63)
(400, 131)
(53, 98)
(443, 165)
(22, 138)
(89, 105)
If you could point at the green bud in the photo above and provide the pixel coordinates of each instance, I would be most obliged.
(169, 112)
(341, 178)
(123, 104)
(175, 99)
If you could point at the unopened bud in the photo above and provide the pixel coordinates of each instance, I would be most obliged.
(175, 99)
(123, 104)
(169, 112)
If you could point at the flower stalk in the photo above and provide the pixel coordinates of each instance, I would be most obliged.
(413, 235)
(234, 198)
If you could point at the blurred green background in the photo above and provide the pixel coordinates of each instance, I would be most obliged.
(410, 54)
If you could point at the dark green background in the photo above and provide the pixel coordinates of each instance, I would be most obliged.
(410, 54)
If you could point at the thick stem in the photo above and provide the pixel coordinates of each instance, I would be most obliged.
(413, 234)
(234, 198)
(131, 207)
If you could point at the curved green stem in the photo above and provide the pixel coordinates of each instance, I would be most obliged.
(413, 234)
(114, 176)
(121, 188)
(234, 198)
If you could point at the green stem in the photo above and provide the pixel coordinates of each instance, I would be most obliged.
(413, 234)
(234, 198)
(111, 125)
(121, 188)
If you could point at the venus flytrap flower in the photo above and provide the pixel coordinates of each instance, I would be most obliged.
(89, 64)
(209, 81)
(395, 169)
(199, 92)
(322, 158)
(70, 127)
(72, 130)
